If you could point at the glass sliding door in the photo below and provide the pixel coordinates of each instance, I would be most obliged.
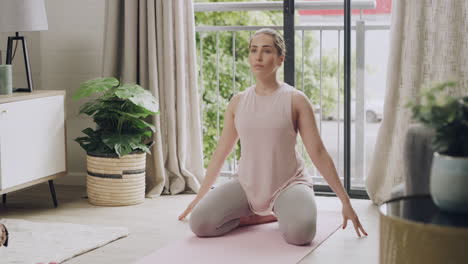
(347, 97)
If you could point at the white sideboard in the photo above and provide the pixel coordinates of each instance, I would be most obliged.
(32, 139)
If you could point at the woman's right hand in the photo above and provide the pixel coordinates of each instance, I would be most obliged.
(189, 209)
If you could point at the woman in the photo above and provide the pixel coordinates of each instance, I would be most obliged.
(271, 185)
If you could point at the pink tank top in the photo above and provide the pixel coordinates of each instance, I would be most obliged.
(269, 162)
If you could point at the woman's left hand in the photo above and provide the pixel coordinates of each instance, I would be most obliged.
(349, 214)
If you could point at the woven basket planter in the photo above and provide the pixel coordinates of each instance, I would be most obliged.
(114, 181)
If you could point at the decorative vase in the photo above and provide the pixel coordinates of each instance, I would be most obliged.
(6, 86)
(449, 183)
(114, 181)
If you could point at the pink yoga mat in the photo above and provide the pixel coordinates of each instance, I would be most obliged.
(251, 244)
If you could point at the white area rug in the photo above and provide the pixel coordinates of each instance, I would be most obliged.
(35, 242)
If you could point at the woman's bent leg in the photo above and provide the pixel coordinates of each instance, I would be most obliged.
(219, 211)
(296, 211)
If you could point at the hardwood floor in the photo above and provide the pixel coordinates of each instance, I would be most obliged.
(154, 223)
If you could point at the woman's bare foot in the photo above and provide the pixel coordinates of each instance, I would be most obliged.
(257, 219)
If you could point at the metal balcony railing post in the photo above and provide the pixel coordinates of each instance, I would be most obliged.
(359, 123)
(347, 95)
(289, 32)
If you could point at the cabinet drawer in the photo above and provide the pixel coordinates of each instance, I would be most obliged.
(32, 140)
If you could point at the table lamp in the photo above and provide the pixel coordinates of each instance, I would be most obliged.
(22, 15)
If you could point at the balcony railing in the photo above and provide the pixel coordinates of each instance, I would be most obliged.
(359, 123)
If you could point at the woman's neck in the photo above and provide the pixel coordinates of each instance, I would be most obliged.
(266, 86)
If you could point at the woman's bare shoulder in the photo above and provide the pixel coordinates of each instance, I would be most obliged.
(235, 101)
(299, 98)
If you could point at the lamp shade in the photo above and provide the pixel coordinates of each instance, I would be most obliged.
(22, 15)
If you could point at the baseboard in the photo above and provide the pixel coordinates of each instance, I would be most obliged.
(72, 178)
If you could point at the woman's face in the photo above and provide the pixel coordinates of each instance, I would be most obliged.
(263, 57)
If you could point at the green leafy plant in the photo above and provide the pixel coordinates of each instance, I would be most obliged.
(447, 115)
(119, 112)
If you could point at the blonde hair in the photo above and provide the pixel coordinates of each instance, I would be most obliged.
(277, 39)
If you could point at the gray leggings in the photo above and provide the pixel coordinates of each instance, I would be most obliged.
(219, 211)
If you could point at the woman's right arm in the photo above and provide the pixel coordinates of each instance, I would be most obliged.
(224, 147)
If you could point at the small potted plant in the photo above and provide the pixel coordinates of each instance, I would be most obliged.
(448, 117)
(116, 149)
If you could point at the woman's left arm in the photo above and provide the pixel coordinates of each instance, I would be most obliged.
(307, 127)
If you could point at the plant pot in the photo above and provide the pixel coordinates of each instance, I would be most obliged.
(449, 183)
(114, 181)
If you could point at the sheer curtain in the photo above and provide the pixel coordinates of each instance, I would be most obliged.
(152, 43)
(429, 43)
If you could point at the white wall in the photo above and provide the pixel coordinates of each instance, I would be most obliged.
(68, 53)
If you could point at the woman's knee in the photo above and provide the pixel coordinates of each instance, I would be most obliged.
(200, 223)
(301, 232)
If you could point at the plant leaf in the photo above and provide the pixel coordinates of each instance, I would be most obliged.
(92, 142)
(122, 143)
(139, 96)
(94, 86)
(147, 134)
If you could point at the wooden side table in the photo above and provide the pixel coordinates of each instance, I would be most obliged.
(413, 230)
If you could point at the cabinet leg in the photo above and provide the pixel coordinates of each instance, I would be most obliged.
(4, 198)
(52, 191)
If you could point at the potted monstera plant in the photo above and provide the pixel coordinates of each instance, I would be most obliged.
(116, 148)
(448, 117)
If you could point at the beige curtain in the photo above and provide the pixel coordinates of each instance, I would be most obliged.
(152, 43)
(429, 43)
